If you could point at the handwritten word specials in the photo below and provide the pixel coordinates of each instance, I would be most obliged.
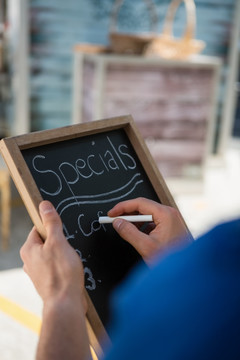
(93, 164)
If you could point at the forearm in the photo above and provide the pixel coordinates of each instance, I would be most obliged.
(63, 334)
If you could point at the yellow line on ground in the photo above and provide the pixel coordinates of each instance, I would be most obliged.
(25, 317)
(21, 315)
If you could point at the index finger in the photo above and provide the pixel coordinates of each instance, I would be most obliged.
(141, 205)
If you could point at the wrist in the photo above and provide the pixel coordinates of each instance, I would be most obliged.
(65, 301)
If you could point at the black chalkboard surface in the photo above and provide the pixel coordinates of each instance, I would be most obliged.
(84, 170)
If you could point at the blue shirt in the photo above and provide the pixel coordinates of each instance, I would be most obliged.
(186, 307)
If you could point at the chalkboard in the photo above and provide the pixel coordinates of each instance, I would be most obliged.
(84, 178)
(84, 170)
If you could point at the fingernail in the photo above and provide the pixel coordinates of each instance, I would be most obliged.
(117, 223)
(45, 207)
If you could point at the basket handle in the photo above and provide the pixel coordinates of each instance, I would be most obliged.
(191, 18)
(152, 12)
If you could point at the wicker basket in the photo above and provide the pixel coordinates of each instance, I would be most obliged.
(126, 43)
(166, 46)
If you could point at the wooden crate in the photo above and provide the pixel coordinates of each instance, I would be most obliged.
(173, 103)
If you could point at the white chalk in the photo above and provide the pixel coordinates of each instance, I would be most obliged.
(131, 218)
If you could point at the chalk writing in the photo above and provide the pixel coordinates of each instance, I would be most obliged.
(88, 274)
(96, 199)
(71, 174)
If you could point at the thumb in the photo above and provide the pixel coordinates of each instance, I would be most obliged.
(50, 218)
(130, 233)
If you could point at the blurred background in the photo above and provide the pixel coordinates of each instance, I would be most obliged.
(63, 63)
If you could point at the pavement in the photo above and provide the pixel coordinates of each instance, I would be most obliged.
(203, 203)
(20, 306)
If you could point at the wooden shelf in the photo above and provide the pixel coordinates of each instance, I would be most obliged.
(173, 103)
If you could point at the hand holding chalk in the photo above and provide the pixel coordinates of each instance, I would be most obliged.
(166, 226)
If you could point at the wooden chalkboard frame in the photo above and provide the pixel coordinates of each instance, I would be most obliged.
(11, 150)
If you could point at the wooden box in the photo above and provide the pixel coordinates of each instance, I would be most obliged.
(173, 103)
